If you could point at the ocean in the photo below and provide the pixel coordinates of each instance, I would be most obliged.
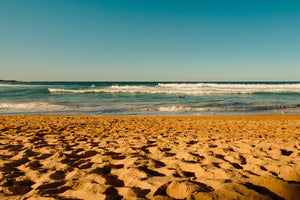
(149, 98)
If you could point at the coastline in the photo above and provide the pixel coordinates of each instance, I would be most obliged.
(115, 157)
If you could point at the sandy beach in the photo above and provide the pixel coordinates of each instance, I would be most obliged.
(66, 157)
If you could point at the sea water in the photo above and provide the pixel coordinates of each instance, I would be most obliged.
(150, 98)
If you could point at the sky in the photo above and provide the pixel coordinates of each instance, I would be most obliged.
(150, 40)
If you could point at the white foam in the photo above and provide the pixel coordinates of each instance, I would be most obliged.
(54, 90)
(181, 108)
(181, 85)
(32, 106)
(219, 88)
(111, 89)
(190, 89)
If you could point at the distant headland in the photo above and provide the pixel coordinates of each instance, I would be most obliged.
(8, 80)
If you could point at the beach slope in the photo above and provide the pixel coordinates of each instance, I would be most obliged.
(70, 157)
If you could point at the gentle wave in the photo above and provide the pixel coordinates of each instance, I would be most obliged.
(35, 106)
(21, 86)
(182, 108)
(53, 90)
(234, 108)
(15, 85)
(228, 85)
(190, 89)
(111, 89)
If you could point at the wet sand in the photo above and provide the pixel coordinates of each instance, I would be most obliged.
(62, 157)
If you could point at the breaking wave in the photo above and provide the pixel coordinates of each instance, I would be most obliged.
(234, 108)
(34, 106)
(182, 108)
(189, 89)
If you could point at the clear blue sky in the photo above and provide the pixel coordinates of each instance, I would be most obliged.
(150, 40)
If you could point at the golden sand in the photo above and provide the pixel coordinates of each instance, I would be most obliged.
(64, 157)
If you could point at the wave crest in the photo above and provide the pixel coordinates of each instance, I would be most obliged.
(45, 106)
(181, 108)
(190, 89)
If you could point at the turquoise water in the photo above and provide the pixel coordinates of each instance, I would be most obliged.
(150, 98)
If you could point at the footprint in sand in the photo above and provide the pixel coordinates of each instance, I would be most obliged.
(111, 193)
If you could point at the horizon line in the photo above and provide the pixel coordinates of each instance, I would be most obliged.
(184, 81)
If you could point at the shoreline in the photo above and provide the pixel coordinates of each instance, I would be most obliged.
(158, 116)
(149, 157)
